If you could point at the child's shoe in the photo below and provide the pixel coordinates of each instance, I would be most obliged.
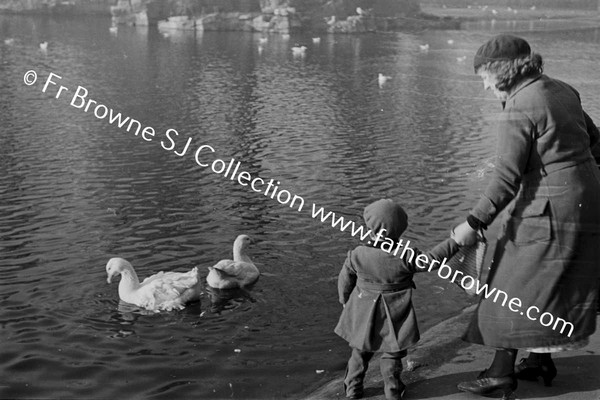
(354, 392)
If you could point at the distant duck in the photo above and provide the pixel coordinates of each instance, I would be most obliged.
(285, 36)
(316, 40)
(532, 8)
(424, 47)
(236, 273)
(44, 46)
(382, 79)
(263, 40)
(461, 59)
(299, 50)
(113, 29)
(332, 20)
(162, 291)
(494, 12)
(362, 11)
(450, 41)
(9, 41)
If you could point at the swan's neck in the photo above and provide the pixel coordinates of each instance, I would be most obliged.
(239, 254)
(129, 282)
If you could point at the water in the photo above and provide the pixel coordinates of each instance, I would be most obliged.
(76, 190)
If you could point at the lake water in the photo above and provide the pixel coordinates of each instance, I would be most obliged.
(76, 190)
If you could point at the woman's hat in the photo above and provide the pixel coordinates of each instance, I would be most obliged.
(386, 214)
(501, 48)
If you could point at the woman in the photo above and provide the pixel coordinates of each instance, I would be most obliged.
(547, 251)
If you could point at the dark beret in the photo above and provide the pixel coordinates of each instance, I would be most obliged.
(501, 48)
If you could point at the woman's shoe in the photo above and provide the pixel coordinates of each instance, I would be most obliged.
(487, 385)
(528, 372)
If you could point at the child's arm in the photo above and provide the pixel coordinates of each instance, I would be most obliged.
(346, 280)
(431, 260)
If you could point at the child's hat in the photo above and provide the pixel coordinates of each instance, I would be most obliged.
(386, 214)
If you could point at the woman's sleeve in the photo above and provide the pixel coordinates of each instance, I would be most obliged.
(515, 138)
(346, 279)
(592, 130)
(594, 134)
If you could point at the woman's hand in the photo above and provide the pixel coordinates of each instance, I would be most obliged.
(464, 235)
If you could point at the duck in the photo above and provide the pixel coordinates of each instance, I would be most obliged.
(164, 291)
(263, 40)
(299, 50)
(44, 46)
(361, 11)
(316, 40)
(382, 79)
(237, 273)
(424, 47)
(113, 29)
(9, 41)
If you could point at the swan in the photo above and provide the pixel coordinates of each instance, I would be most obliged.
(113, 29)
(44, 46)
(236, 273)
(424, 47)
(162, 291)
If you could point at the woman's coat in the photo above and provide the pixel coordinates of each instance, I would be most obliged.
(546, 262)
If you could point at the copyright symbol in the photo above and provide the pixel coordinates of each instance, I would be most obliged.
(30, 77)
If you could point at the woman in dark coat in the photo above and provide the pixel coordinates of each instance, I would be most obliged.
(546, 257)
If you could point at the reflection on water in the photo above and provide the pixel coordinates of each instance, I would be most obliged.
(228, 299)
(76, 190)
(533, 25)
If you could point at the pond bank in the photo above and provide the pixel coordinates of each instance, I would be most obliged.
(443, 360)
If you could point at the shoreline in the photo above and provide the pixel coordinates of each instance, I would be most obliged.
(441, 360)
(437, 345)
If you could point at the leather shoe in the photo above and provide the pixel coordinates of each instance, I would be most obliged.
(484, 386)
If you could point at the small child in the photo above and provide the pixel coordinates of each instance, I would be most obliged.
(375, 287)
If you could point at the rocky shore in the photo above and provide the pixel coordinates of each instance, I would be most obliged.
(267, 16)
(319, 16)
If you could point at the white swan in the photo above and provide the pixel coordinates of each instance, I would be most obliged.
(239, 272)
(44, 46)
(162, 291)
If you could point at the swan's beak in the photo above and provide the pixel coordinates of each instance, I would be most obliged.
(110, 275)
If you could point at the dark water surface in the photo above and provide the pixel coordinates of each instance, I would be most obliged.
(76, 190)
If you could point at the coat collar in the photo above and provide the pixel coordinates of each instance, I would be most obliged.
(524, 83)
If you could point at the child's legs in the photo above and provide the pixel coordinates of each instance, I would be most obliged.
(355, 372)
(391, 369)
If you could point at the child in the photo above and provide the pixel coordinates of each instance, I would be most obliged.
(375, 287)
